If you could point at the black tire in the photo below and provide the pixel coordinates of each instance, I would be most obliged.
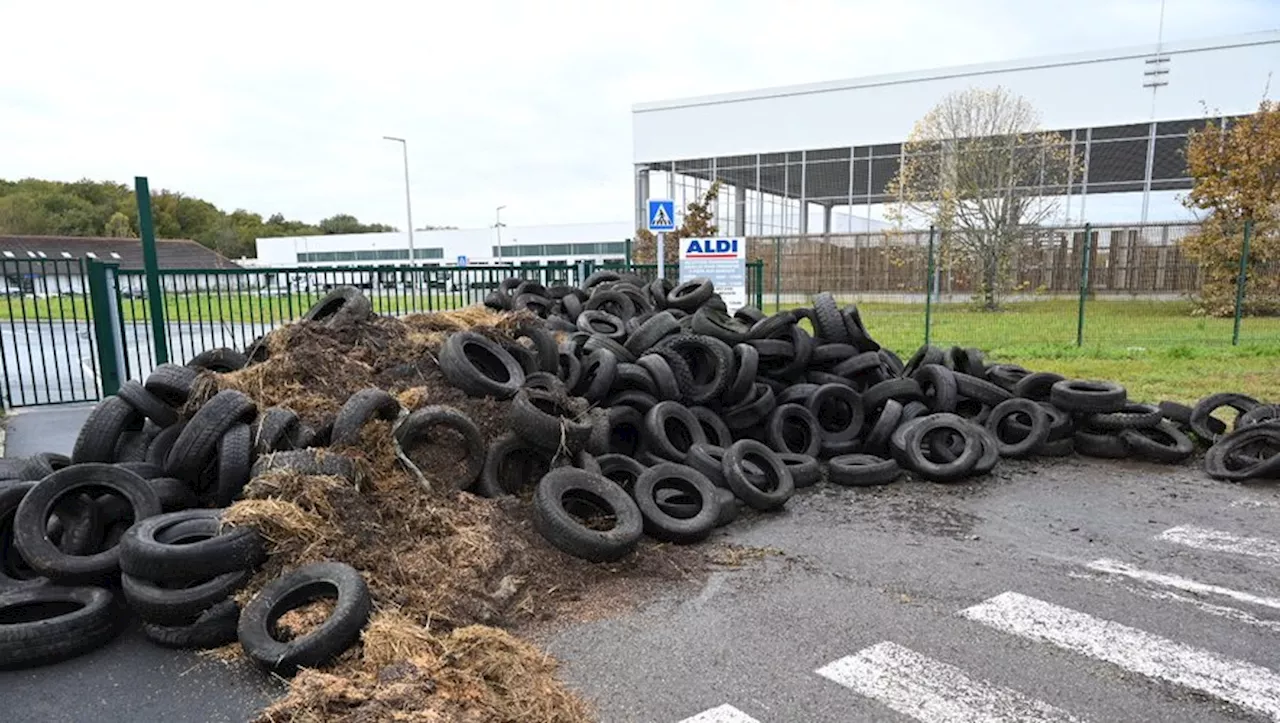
(671, 429)
(1006, 376)
(565, 494)
(938, 383)
(1056, 448)
(1233, 458)
(511, 463)
(632, 376)
(858, 333)
(838, 409)
(679, 370)
(159, 447)
(709, 460)
(604, 324)
(544, 345)
(767, 491)
(793, 428)
(900, 390)
(147, 404)
(710, 363)
(342, 306)
(748, 315)
(729, 506)
(1102, 445)
(747, 366)
(1037, 386)
(827, 322)
(535, 304)
(546, 381)
(652, 331)
(828, 354)
(570, 370)
(222, 360)
(102, 430)
(307, 584)
(416, 431)
(276, 430)
(599, 370)
(81, 523)
(862, 470)
(1200, 414)
(174, 494)
(198, 441)
(1134, 415)
(713, 426)
(805, 469)
(174, 606)
(716, 323)
(599, 277)
(661, 524)
(312, 461)
(213, 628)
(479, 367)
(171, 383)
(979, 390)
(927, 354)
(665, 385)
(39, 503)
(752, 410)
(857, 365)
(1034, 417)
(132, 447)
(621, 469)
(773, 326)
(358, 410)
(943, 471)
(801, 351)
(1088, 397)
(690, 295)
(596, 342)
(37, 629)
(15, 573)
(235, 460)
(546, 420)
(181, 547)
(877, 439)
(1161, 443)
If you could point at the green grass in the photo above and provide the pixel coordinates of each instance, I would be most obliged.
(1158, 350)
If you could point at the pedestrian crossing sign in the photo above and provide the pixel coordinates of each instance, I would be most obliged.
(662, 215)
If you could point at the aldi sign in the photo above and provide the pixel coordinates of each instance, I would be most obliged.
(723, 260)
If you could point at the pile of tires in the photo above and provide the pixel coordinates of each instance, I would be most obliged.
(131, 521)
(1248, 449)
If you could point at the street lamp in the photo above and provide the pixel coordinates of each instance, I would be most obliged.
(408, 205)
(497, 227)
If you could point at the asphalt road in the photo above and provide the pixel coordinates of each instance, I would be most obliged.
(1069, 590)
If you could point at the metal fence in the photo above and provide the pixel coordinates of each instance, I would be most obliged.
(1115, 289)
(47, 350)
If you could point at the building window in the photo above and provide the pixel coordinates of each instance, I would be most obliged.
(428, 253)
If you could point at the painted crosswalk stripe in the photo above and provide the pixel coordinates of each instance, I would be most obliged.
(932, 691)
(1218, 541)
(1234, 681)
(721, 714)
(1114, 567)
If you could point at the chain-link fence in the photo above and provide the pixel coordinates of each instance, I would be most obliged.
(1112, 289)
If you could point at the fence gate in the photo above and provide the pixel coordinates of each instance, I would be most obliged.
(47, 347)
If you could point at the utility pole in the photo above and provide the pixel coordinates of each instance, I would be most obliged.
(497, 227)
(408, 203)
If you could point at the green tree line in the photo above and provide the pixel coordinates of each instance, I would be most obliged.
(101, 208)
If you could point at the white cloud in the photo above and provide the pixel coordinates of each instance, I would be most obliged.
(276, 106)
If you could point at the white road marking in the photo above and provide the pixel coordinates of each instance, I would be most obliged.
(1219, 541)
(1234, 681)
(1114, 567)
(931, 691)
(1254, 503)
(721, 714)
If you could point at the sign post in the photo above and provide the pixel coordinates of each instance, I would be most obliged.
(661, 219)
(723, 261)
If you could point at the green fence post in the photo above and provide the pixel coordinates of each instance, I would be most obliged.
(1240, 281)
(106, 324)
(1084, 283)
(626, 247)
(759, 274)
(155, 294)
(928, 289)
(777, 275)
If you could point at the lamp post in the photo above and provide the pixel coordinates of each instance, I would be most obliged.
(497, 227)
(408, 204)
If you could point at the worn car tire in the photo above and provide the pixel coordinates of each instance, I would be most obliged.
(660, 523)
(102, 430)
(359, 409)
(309, 583)
(767, 491)
(147, 404)
(222, 360)
(416, 430)
(171, 383)
(1088, 397)
(213, 628)
(509, 463)
(479, 367)
(1200, 413)
(793, 428)
(341, 306)
(861, 470)
(547, 420)
(671, 429)
(198, 441)
(565, 493)
(1033, 416)
(26, 642)
(1161, 443)
(190, 545)
(177, 606)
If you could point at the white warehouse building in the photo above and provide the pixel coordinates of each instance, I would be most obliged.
(801, 159)
(572, 243)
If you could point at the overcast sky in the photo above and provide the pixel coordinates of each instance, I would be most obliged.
(281, 106)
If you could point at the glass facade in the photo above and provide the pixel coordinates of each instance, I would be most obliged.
(583, 249)
(341, 257)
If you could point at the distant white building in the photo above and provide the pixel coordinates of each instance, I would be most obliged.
(572, 243)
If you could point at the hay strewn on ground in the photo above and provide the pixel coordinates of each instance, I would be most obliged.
(442, 565)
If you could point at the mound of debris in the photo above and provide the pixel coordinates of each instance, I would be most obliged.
(355, 499)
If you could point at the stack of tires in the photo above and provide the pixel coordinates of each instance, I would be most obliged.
(1247, 450)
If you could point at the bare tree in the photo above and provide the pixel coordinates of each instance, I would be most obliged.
(979, 168)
